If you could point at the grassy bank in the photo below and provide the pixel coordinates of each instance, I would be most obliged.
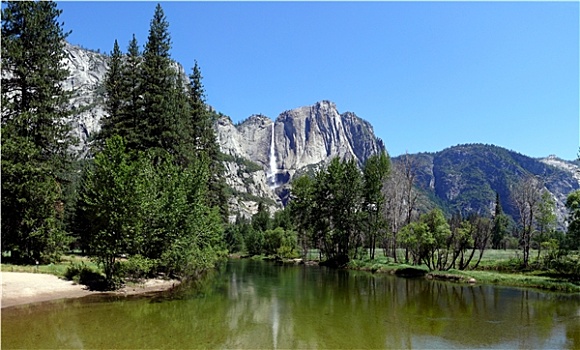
(58, 269)
(528, 279)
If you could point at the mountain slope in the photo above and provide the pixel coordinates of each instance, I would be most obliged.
(466, 178)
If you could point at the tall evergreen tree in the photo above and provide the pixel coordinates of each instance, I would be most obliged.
(159, 122)
(111, 122)
(500, 224)
(132, 85)
(573, 206)
(205, 142)
(35, 136)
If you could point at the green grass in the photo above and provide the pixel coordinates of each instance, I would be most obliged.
(528, 280)
(52, 269)
(498, 267)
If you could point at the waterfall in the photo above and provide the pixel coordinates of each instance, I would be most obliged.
(273, 166)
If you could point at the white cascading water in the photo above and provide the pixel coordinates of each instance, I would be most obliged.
(273, 166)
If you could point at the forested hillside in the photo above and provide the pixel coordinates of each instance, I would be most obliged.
(466, 178)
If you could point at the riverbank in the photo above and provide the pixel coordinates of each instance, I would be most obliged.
(20, 288)
(527, 280)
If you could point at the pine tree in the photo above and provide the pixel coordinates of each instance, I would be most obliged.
(205, 143)
(35, 136)
(500, 224)
(158, 123)
(111, 122)
(132, 85)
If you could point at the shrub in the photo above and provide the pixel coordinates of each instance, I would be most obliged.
(138, 267)
(83, 274)
(254, 241)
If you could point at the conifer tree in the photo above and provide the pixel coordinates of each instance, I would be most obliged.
(500, 224)
(204, 140)
(35, 136)
(132, 85)
(158, 123)
(111, 122)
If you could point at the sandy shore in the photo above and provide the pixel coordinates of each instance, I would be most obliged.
(24, 288)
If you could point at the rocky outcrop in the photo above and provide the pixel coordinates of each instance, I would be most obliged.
(303, 138)
(85, 82)
(318, 133)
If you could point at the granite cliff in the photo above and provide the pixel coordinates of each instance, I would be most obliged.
(298, 141)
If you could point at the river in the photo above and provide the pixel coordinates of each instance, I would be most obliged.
(253, 304)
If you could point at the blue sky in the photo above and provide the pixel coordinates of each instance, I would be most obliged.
(427, 75)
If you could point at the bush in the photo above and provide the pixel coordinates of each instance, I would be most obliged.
(254, 241)
(138, 267)
(83, 274)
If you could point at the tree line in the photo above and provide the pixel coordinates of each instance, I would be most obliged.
(345, 214)
(151, 194)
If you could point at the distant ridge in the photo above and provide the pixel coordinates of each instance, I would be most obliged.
(466, 177)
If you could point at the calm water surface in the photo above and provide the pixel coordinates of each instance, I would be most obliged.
(260, 305)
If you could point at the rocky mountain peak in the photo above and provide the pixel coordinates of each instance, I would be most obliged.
(299, 139)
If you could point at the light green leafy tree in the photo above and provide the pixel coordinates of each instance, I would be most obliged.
(375, 172)
(110, 204)
(417, 239)
(545, 220)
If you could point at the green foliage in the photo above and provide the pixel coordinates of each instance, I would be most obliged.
(417, 239)
(150, 208)
(375, 172)
(283, 219)
(35, 137)
(261, 221)
(425, 239)
(573, 206)
(254, 240)
(288, 244)
(327, 210)
(272, 240)
(151, 191)
(500, 224)
(137, 267)
(152, 107)
(300, 210)
(545, 220)
(233, 238)
(439, 245)
(109, 202)
(81, 273)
